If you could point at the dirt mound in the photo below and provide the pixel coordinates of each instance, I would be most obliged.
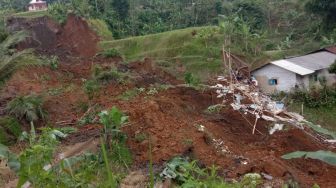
(75, 38)
(172, 118)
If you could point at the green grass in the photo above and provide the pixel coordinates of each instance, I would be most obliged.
(101, 28)
(31, 14)
(173, 46)
(326, 117)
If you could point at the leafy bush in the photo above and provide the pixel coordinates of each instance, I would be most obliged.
(11, 158)
(214, 109)
(58, 11)
(109, 76)
(140, 137)
(10, 130)
(332, 68)
(111, 52)
(113, 120)
(121, 154)
(28, 107)
(11, 59)
(189, 174)
(34, 159)
(101, 28)
(130, 94)
(91, 88)
(52, 61)
(191, 79)
(105, 76)
(316, 97)
(251, 12)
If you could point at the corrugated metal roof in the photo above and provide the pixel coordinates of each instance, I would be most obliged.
(331, 49)
(285, 64)
(315, 61)
(309, 63)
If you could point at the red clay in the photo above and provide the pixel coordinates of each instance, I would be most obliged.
(170, 118)
(47, 37)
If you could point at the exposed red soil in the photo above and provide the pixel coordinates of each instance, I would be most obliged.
(170, 119)
(50, 38)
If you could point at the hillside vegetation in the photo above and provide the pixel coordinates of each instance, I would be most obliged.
(174, 48)
(119, 93)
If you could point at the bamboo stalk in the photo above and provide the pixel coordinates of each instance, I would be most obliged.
(255, 125)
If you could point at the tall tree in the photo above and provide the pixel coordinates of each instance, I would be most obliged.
(122, 8)
(325, 9)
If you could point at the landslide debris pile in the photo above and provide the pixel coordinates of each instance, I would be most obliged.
(169, 117)
(46, 36)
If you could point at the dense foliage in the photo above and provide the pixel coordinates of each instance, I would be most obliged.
(316, 97)
(27, 107)
(325, 9)
(285, 21)
(332, 68)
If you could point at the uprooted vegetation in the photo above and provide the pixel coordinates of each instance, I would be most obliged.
(132, 119)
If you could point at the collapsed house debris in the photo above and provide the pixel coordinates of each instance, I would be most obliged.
(247, 99)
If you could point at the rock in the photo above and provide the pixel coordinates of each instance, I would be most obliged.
(166, 184)
(135, 179)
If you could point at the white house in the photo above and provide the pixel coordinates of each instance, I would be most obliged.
(297, 72)
(35, 5)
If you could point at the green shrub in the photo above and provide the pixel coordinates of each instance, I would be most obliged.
(101, 28)
(28, 107)
(121, 154)
(111, 52)
(91, 88)
(106, 76)
(109, 76)
(52, 61)
(140, 137)
(58, 11)
(316, 97)
(130, 94)
(332, 68)
(113, 120)
(191, 79)
(10, 130)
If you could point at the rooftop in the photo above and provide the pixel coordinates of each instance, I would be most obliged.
(37, 1)
(309, 63)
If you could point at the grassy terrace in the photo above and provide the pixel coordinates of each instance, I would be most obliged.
(99, 26)
(174, 46)
(31, 14)
(326, 117)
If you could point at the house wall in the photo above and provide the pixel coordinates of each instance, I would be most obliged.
(302, 81)
(309, 81)
(286, 79)
(330, 78)
(40, 6)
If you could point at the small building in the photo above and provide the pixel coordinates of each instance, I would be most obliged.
(36, 5)
(297, 72)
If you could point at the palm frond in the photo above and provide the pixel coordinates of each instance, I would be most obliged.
(28, 107)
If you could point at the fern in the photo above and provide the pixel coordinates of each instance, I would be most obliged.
(10, 59)
(28, 107)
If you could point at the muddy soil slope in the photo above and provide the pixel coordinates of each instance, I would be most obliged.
(170, 116)
(75, 38)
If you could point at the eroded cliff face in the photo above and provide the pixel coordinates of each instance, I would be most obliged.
(46, 36)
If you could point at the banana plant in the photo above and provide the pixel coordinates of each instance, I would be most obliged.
(112, 121)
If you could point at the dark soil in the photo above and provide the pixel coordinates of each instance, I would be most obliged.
(47, 37)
